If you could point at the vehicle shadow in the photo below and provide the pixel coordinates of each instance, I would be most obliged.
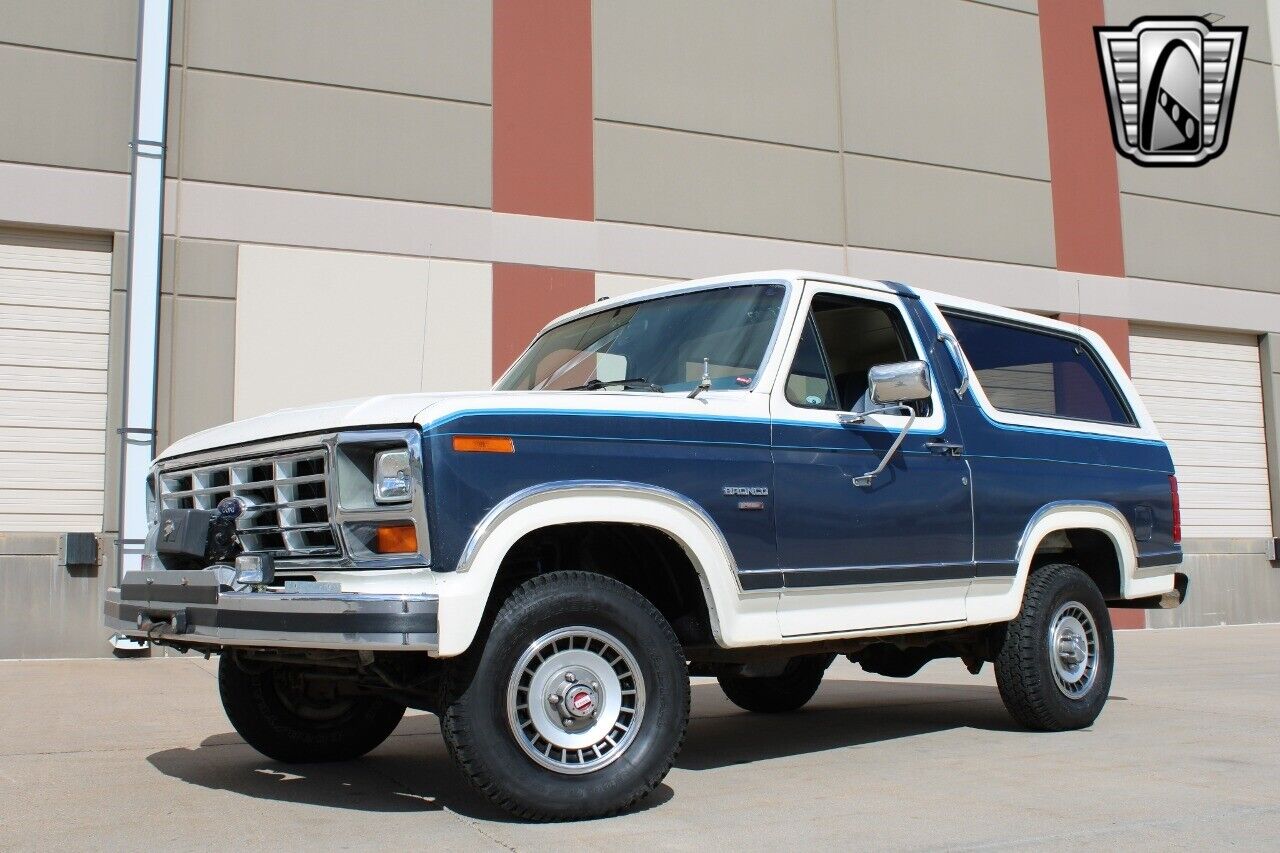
(412, 771)
(843, 714)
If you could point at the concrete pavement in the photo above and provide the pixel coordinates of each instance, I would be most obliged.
(138, 755)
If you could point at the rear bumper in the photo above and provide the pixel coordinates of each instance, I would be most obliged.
(195, 609)
(1165, 601)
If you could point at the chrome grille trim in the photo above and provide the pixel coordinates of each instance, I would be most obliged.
(349, 522)
(288, 496)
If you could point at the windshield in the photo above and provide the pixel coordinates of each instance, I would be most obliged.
(658, 345)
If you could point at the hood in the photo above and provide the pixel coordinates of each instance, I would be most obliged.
(386, 410)
(428, 410)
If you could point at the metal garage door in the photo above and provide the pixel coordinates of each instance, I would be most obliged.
(55, 292)
(1204, 389)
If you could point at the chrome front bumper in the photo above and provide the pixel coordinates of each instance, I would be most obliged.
(193, 608)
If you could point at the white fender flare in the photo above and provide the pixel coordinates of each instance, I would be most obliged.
(993, 601)
(464, 592)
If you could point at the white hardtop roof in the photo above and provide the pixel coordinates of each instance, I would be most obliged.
(793, 275)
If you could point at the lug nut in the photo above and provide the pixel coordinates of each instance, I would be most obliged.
(570, 677)
(553, 698)
(595, 685)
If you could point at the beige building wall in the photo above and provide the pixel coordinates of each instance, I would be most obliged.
(320, 149)
(418, 325)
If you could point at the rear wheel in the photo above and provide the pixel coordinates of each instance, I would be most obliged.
(288, 716)
(576, 705)
(776, 694)
(1054, 667)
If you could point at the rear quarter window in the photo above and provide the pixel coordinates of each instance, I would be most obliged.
(1038, 372)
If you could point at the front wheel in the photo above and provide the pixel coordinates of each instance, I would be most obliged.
(577, 703)
(1054, 666)
(285, 714)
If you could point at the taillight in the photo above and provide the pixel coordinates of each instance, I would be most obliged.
(1177, 509)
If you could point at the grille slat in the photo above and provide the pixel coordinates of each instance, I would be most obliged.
(287, 497)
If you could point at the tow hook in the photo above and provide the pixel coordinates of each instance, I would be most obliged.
(157, 626)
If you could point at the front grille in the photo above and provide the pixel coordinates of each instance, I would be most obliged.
(287, 497)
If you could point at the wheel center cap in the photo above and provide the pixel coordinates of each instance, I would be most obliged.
(580, 701)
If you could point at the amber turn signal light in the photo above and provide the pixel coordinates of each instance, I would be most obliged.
(483, 444)
(396, 539)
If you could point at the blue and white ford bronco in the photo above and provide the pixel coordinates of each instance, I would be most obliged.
(739, 477)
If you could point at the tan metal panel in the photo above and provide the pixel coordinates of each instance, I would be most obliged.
(754, 69)
(687, 180)
(268, 133)
(74, 110)
(966, 214)
(1234, 180)
(1236, 13)
(1178, 241)
(54, 293)
(1213, 424)
(945, 82)
(441, 48)
(105, 27)
(202, 363)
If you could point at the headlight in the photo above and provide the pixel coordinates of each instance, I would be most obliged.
(392, 480)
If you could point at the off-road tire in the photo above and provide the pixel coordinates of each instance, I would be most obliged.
(778, 694)
(475, 713)
(1024, 668)
(251, 696)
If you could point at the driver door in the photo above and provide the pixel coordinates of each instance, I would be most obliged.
(899, 551)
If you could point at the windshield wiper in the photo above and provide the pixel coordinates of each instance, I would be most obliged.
(597, 384)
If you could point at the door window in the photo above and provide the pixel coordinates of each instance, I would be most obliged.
(843, 338)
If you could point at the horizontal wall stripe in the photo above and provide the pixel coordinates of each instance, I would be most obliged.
(97, 200)
(216, 211)
(68, 198)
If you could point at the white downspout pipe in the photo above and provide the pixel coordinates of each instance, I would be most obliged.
(142, 299)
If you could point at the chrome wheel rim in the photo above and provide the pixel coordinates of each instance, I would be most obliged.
(575, 700)
(1073, 649)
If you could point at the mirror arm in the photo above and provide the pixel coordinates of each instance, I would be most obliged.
(867, 478)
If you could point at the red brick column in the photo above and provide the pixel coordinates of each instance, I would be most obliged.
(1082, 159)
(542, 154)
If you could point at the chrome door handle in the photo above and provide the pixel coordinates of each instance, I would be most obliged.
(944, 447)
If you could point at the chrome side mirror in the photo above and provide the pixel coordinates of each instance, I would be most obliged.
(891, 385)
(897, 383)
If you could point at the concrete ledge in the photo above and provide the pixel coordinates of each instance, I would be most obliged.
(1226, 589)
(28, 544)
(1227, 546)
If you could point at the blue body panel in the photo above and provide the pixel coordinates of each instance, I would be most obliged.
(930, 516)
(1019, 470)
(912, 523)
(694, 457)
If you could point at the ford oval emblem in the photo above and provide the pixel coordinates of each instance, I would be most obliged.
(231, 507)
